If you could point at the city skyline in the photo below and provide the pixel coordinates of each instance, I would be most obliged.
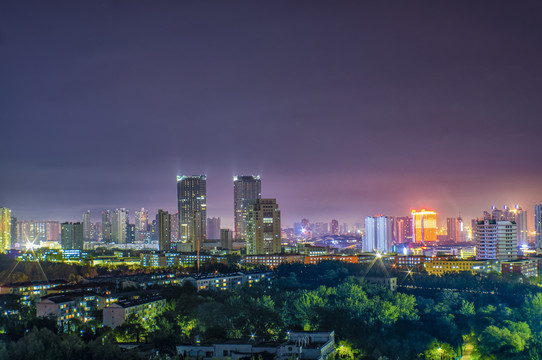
(345, 111)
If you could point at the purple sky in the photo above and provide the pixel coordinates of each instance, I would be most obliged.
(345, 108)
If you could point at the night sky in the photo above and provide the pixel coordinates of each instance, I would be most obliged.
(345, 108)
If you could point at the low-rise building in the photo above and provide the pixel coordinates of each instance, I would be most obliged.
(64, 308)
(409, 262)
(313, 250)
(440, 267)
(30, 292)
(527, 268)
(387, 282)
(353, 259)
(227, 281)
(61, 307)
(144, 308)
(273, 260)
(300, 345)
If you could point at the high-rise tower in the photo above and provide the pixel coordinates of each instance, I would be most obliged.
(213, 228)
(106, 226)
(245, 190)
(424, 226)
(163, 221)
(119, 226)
(378, 233)
(263, 227)
(141, 223)
(5, 229)
(538, 225)
(86, 225)
(496, 239)
(192, 205)
(453, 229)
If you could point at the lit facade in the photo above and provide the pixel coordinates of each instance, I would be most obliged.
(5, 229)
(378, 234)
(192, 206)
(245, 190)
(273, 260)
(263, 227)
(496, 240)
(440, 267)
(424, 226)
(527, 268)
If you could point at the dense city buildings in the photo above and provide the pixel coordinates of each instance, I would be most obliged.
(321, 228)
(453, 229)
(538, 225)
(424, 226)
(163, 220)
(245, 190)
(5, 229)
(213, 228)
(263, 227)
(192, 206)
(378, 233)
(496, 240)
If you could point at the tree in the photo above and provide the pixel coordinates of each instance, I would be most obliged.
(439, 351)
(503, 343)
(346, 351)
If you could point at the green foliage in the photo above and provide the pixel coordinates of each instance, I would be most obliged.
(505, 342)
(346, 351)
(503, 320)
(439, 351)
